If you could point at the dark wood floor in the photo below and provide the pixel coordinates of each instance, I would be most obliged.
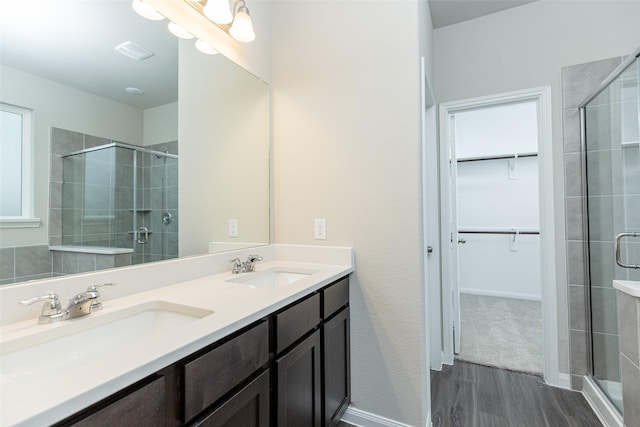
(471, 395)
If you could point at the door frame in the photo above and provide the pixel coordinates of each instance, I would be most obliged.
(542, 95)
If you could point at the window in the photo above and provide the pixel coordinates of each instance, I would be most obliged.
(16, 168)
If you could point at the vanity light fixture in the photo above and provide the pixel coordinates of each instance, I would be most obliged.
(205, 47)
(179, 31)
(235, 20)
(242, 27)
(218, 11)
(146, 11)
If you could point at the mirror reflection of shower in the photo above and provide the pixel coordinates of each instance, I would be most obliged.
(122, 199)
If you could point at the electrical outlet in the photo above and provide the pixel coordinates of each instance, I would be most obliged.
(320, 229)
(233, 228)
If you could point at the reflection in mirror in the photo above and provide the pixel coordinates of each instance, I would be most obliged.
(115, 180)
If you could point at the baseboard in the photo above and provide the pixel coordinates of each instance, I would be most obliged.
(560, 381)
(361, 418)
(487, 293)
(604, 410)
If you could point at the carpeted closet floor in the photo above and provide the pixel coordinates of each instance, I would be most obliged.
(501, 332)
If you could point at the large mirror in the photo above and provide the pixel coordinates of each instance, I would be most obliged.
(112, 160)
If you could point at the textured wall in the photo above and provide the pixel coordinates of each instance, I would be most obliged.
(346, 97)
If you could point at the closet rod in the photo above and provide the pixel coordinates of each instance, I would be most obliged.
(496, 232)
(506, 156)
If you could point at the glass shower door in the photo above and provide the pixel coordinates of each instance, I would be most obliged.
(157, 207)
(613, 197)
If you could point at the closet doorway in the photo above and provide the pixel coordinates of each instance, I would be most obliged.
(497, 199)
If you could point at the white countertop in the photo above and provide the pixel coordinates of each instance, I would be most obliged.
(53, 397)
(627, 286)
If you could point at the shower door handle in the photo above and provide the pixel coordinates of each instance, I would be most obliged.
(618, 260)
(140, 232)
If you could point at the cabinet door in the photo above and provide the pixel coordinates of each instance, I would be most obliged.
(299, 389)
(247, 408)
(337, 372)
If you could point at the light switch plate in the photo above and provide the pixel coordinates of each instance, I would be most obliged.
(320, 229)
(233, 228)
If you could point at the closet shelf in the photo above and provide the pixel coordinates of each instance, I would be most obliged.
(510, 231)
(498, 157)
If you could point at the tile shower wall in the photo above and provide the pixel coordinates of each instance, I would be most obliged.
(22, 263)
(578, 82)
(629, 321)
(158, 181)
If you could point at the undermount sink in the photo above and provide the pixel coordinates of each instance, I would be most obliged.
(71, 344)
(272, 278)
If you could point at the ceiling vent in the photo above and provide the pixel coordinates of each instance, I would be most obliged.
(134, 51)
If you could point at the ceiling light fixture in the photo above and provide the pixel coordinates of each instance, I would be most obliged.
(134, 91)
(235, 20)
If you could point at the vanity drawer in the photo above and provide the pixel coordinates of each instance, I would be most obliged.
(334, 297)
(215, 373)
(294, 322)
(146, 405)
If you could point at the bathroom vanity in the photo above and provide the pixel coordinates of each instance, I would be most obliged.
(267, 348)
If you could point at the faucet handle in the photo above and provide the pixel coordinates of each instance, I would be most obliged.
(50, 309)
(254, 258)
(236, 265)
(96, 303)
(100, 285)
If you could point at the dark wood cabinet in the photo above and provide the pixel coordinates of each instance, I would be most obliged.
(290, 369)
(211, 375)
(143, 404)
(249, 407)
(336, 378)
(299, 390)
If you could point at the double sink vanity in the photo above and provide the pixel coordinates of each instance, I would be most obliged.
(201, 346)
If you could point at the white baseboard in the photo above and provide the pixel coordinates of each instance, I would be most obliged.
(560, 380)
(603, 408)
(361, 418)
(488, 293)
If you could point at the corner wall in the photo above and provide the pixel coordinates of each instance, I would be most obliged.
(526, 47)
(347, 147)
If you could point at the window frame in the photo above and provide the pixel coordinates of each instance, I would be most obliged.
(27, 218)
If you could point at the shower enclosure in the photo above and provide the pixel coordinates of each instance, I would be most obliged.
(611, 176)
(121, 196)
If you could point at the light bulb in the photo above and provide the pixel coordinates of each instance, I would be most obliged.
(218, 11)
(205, 47)
(242, 27)
(146, 11)
(179, 31)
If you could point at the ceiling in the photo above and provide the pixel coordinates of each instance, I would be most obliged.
(448, 12)
(73, 41)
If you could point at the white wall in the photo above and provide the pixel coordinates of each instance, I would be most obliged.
(224, 152)
(61, 106)
(526, 47)
(346, 98)
(160, 124)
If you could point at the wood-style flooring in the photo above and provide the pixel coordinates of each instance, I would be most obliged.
(471, 395)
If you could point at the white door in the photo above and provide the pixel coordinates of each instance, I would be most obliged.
(454, 239)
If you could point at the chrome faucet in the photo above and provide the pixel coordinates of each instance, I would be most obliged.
(250, 263)
(246, 266)
(80, 305)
